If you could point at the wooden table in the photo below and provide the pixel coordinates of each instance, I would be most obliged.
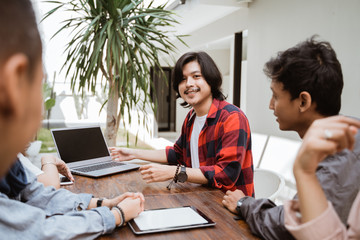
(205, 199)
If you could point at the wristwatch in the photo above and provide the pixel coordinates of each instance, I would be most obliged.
(238, 205)
(182, 176)
(99, 202)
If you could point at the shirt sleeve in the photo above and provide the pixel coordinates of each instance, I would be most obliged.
(265, 219)
(50, 200)
(19, 219)
(46, 213)
(28, 164)
(233, 158)
(326, 226)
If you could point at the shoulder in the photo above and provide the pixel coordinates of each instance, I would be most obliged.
(227, 110)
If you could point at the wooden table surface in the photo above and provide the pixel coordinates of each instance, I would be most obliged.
(205, 199)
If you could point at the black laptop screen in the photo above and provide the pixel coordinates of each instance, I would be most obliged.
(80, 144)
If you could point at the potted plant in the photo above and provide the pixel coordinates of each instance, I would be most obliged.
(116, 40)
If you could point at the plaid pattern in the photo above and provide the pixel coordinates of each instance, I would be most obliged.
(224, 148)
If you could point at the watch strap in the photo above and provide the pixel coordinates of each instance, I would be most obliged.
(99, 202)
(238, 208)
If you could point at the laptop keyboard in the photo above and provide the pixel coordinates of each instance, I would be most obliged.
(99, 166)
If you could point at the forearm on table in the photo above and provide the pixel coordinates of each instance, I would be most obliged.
(195, 175)
(105, 203)
(50, 177)
(312, 199)
(158, 156)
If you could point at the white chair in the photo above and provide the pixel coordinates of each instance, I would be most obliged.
(267, 184)
(279, 157)
(258, 144)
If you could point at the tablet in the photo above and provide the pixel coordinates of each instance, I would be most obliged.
(169, 219)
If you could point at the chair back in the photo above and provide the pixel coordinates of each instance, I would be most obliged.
(268, 184)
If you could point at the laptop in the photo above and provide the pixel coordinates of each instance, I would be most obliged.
(86, 153)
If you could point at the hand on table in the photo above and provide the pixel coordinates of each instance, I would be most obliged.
(60, 165)
(157, 172)
(116, 200)
(231, 198)
(121, 154)
(132, 206)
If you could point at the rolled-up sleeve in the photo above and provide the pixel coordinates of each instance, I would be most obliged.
(233, 165)
(326, 226)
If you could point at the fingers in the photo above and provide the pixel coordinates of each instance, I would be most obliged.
(125, 195)
(149, 173)
(338, 129)
(347, 120)
(69, 175)
(121, 154)
(64, 170)
(224, 202)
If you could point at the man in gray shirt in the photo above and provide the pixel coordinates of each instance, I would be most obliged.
(306, 83)
(28, 210)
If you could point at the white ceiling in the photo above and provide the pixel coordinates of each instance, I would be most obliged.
(195, 14)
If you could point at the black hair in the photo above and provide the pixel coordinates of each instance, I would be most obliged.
(19, 32)
(209, 70)
(310, 66)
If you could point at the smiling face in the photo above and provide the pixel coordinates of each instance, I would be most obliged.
(285, 110)
(194, 89)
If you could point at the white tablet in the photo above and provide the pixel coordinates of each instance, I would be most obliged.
(169, 219)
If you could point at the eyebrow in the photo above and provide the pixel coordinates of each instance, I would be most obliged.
(193, 72)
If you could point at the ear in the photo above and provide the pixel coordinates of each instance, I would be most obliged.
(13, 73)
(305, 101)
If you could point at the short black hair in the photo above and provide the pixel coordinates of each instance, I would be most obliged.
(209, 70)
(19, 32)
(310, 66)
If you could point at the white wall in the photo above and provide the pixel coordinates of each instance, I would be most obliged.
(206, 39)
(279, 24)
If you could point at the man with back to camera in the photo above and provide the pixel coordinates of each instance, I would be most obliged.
(306, 83)
(28, 209)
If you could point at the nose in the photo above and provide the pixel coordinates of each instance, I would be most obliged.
(189, 81)
(271, 104)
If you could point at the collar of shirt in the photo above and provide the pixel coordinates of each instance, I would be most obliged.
(211, 114)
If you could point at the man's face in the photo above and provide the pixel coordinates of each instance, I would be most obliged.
(27, 110)
(285, 110)
(194, 89)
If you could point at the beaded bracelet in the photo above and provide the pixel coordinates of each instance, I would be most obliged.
(175, 178)
(121, 214)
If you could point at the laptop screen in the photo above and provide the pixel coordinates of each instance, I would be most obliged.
(77, 144)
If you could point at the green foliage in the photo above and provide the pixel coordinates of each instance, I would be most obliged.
(48, 96)
(118, 40)
(44, 135)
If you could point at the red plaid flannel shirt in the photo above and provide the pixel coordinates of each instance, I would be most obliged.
(224, 148)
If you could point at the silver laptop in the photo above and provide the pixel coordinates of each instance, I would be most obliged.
(86, 153)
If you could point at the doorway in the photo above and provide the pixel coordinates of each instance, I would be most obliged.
(166, 99)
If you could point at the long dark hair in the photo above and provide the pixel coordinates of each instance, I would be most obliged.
(209, 70)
